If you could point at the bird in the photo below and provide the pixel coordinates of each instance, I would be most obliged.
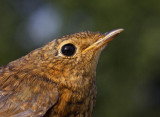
(56, 80)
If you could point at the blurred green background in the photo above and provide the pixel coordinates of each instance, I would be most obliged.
(128, 73)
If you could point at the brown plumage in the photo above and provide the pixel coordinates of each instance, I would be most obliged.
(56, 80)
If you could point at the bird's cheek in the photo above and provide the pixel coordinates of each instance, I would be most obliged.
(87, 57)
(66, 73)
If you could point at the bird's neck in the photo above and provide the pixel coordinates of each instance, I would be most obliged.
(76, 103)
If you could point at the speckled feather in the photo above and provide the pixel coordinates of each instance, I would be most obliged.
(47, 83)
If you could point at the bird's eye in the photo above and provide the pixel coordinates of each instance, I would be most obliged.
(68, 49)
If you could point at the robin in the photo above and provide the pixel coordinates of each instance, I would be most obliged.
(56, 80)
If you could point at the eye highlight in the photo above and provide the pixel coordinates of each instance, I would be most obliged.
(68, 49)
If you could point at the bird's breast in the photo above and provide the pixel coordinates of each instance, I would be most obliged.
(75, 103)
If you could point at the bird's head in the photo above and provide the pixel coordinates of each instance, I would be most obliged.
(72, 58)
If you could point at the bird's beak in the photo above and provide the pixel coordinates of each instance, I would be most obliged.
(103, 40)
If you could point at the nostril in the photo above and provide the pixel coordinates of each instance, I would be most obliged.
(108, 32)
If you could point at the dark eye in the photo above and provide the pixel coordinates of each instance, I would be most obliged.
(68, 49)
